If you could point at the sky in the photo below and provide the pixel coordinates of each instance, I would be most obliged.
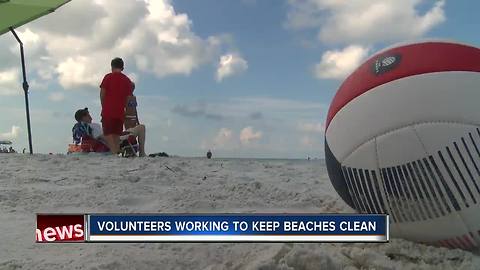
(244, 78)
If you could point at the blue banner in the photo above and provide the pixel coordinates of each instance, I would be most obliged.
(237, 227)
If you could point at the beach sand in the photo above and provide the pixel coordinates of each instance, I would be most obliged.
(100, 184)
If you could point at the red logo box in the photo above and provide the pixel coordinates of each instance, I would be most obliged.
(60, 228)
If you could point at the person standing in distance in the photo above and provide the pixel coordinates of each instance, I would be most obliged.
(114, 90)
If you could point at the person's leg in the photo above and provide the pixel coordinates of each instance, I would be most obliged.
(140, 132)
(112, 128)
(113, 142)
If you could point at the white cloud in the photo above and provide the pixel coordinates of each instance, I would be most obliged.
(337, 64)
(357, 25)
(36, 84)
(149, 35)
(75, 71)
(248, 135)
(29, 37)
(245, 105)
(311, 127)
(366, 21)
(229, 65)
(226, 139)
(223, 138)
(10, 82)
(311, 134)
(196, 110)
(56, 96)
(242, 108)
(13, 134)
(307, 141)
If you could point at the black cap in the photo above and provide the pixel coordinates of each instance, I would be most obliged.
(80, 114)
(117, 63)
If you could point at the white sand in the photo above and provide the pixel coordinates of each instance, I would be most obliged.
(78, 184)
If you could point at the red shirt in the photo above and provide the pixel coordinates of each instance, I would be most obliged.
(117, 88)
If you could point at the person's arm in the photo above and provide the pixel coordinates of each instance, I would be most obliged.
(102, 95)
(103, 86)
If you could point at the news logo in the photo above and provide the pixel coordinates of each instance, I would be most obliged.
(60, 228)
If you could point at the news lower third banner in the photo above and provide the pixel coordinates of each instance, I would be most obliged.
(212, 228)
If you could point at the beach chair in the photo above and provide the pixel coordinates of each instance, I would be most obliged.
(87, 145)
(128, 145)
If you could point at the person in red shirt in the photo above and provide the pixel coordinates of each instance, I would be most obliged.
(115, 89)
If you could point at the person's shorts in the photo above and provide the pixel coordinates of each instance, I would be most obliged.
(112, 126)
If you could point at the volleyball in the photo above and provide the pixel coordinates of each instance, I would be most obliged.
(403, 138)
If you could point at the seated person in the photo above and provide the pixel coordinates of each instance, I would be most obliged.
(84, 126)
(83, 134)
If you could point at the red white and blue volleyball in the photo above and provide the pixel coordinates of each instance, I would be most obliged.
(403, 138)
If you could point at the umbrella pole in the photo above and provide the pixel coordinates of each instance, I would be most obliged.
(25, 90)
